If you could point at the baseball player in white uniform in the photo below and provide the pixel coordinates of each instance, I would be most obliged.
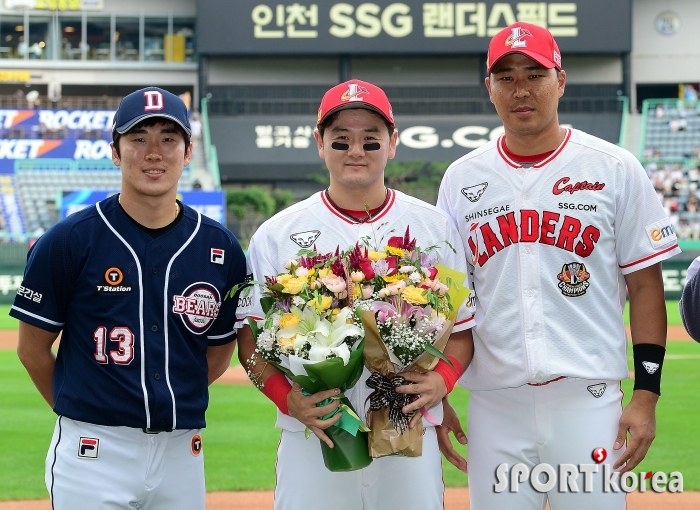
(356, 136)
(555, 224)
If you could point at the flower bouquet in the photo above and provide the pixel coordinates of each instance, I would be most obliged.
(309, 334)
(407, 304)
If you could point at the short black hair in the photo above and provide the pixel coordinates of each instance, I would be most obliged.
(334, 116)
(151, 121)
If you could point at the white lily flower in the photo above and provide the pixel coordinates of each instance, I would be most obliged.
(324, 337)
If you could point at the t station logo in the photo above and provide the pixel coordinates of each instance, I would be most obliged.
(566, 478)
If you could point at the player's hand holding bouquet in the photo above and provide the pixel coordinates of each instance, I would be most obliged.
(406, 304)
(310, 335)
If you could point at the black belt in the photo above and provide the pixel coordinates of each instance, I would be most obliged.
(154, 431)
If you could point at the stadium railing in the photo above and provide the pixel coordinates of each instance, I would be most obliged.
(405, 100)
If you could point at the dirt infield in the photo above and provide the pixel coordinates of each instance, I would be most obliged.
(455, 499)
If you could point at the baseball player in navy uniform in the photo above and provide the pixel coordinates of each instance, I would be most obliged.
(689, 304)
(556, 225)
(135, 285)
(356, 136)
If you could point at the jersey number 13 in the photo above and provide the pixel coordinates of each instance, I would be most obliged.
(125, 347)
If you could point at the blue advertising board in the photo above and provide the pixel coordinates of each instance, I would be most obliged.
(210, 203)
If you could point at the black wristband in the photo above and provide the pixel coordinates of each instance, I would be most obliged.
(648, 362)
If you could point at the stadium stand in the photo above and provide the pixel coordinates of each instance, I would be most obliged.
(670, 152)
(45, 153)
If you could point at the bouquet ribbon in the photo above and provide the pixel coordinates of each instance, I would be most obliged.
(384, 395)
(349, 421)
(384, 437)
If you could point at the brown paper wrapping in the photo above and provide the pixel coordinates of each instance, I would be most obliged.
(384, 439)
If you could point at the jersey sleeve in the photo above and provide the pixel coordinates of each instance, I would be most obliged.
(453, 257)
(48, 282)
(224, 330)
(643, 231)
(258, 267)
(689, 305)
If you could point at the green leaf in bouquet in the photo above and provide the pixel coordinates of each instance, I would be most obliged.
(336, 375)
(432, 350)
(277, 287)
(267, 302)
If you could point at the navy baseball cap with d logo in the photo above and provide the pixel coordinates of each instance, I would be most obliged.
(147, 103)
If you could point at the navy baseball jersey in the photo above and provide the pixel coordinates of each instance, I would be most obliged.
(137, 314)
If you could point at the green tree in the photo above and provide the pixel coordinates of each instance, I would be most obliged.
(252, 205)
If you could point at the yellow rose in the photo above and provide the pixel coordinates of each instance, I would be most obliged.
(414, 295)
(356, 291)
(288, 320)
(284, 278)
(325, 304)
(294, 285)
(322, 273)
(286, 344)
(376, 255)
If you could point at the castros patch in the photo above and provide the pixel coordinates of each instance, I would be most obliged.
(198, 305)
(573, 279)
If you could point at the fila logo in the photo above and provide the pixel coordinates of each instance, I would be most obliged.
(516, 37)
(154, 100)
(650, 367)
(354, 93)
(217, 256)
(305, 239)
(88, 448)
(597, 390)
(473, 193)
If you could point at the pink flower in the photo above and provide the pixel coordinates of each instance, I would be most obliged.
(439, 287)
(334, 283)
(367, 291)
(392, 289)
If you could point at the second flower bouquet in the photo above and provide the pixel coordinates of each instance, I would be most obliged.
(406, 304)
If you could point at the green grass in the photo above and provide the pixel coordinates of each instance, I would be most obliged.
(241, 441)
(674, 318)
(7, 322)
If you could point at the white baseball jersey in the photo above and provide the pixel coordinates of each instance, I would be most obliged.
(549, 246)
(317, 222)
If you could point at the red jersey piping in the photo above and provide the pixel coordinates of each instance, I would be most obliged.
(389, 203)
(650, 256)
(515, 164)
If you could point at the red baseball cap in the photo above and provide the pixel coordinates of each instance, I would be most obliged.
(531, 40)
(355, 94)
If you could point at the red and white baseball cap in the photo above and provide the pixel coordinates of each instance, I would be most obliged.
(355, 94)
(531, 40)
